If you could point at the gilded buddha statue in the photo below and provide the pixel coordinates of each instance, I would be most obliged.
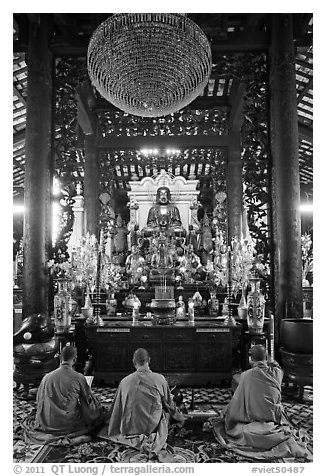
(164, 216)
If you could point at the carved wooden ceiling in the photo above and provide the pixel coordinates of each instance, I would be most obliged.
(227, 33)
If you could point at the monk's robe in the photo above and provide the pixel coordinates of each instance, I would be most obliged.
(140, 412)
(254, 423)
(66, 407)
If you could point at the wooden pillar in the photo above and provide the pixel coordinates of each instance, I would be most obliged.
(285, 171)
(91, 186)
(38, 184)
(234, 184)
(234, 166)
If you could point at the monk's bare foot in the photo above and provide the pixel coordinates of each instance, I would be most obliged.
(80, 439)
(167, 456)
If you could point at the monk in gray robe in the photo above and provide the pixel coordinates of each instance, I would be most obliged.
(66, 407)
(141, 411)
(254, 424)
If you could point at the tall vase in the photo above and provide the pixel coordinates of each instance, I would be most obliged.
(87, 310)
(242, 307)
(256, 308)
(61, 302)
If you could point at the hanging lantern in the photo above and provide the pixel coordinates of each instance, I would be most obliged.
(149, 64)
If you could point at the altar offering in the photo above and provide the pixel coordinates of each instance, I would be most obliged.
(163, 305)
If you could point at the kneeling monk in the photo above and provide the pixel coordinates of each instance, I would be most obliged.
(254, 424)
(66, 407)
(141, 410)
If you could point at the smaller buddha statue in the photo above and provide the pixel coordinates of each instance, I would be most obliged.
(162, 263)
(111, 305)
(192, 238)
(180, 312)
(135, 266)
(213, 304)
(191, 264)
(191, 310)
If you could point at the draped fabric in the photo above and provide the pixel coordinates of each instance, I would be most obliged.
(140, 412)
(254, 423)
(66, 407)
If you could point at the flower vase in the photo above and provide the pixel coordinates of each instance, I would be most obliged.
(87, 310)
(256, 308)
(242, 307)
(62, 317)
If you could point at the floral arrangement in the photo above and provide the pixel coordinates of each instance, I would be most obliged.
(81, 268)
(307, 255)
(216, 275)
(242, 260)
(110, 275)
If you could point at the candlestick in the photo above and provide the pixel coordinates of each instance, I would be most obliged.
(271, 334)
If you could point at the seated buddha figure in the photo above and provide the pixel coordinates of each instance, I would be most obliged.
(135, 266)
(162, 268)
(164, 216)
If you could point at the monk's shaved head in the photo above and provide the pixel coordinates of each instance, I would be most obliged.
(258, 352)
(68, 353)
(141, 356)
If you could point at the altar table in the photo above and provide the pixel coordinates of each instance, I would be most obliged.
(187, 354)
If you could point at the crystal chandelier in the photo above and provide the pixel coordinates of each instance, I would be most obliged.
(149, 64)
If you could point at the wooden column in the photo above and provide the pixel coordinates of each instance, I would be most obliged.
(234, 184)
(234, 166)
(285, 171)
(38, 185)
(86, 119)
(91, 186)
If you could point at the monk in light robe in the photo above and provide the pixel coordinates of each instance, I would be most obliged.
(254, 424)
(141, 410)
(66, 407)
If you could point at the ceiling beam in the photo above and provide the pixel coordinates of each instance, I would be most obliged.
(200, 103)
(304, 64)
(305, 133)
(18, 165)
(238, 42)
(304, 91)
(162, 142)
(19, 95)
(19, 138)
(255, 41)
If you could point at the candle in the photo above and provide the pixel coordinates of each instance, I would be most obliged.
(271, 332)
(271, 326)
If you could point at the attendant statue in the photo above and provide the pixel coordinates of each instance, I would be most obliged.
(120, 244)
(135, 266)
(206, 240)
(192, 266)
(135, 235)
(192, 238)
(164, 215)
